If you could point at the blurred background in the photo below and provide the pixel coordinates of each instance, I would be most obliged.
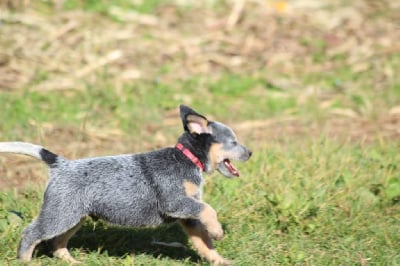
(90, 78)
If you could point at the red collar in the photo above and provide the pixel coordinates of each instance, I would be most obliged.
(190, 155)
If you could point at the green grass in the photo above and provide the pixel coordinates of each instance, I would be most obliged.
(323, 204)
(139, 104)
(103, 7)
(312, 201)
(303, 199)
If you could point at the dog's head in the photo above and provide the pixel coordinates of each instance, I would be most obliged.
(220, 141)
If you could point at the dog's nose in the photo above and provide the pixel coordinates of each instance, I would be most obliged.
(250, 153)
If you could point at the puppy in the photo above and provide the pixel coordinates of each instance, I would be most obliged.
(146, 189)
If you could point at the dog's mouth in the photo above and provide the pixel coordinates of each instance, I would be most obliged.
(230, 167)
(227, 169)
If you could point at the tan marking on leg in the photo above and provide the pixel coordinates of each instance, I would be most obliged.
(63, 253)
(27, 256)
(60, 244)
(208, 216)
(203, 244)
(191, 189)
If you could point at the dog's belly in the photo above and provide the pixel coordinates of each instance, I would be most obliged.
(142, 215)
(128, 207)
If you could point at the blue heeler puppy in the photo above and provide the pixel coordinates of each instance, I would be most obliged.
(146, 189)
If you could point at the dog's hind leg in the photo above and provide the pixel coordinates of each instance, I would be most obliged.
(30, 238)
(60, 244)
(55, 221)
(202, 242)
(38, 231)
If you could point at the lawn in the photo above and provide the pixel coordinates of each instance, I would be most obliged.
(312, 89)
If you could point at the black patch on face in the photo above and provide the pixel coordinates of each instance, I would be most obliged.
(48, 157)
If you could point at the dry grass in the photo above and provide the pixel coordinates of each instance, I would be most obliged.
(65, 49)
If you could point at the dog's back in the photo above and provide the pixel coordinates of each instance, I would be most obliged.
(125, 189)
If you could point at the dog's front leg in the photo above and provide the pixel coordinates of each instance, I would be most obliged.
(202, 242)
(208, 217)
(190, 208)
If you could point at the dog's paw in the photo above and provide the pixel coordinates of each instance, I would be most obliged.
(63, 254)
(209, 219)
(215, 231)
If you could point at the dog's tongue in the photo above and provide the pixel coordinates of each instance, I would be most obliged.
(231, 168)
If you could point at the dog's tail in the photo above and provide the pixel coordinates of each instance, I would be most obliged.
(30, 149)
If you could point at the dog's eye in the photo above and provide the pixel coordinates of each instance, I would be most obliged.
(234, 142)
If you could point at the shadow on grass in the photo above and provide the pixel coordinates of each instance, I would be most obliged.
(120, 241)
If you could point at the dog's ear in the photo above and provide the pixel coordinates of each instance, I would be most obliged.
(193, 122)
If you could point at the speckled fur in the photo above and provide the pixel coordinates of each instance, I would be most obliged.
(144, 189)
